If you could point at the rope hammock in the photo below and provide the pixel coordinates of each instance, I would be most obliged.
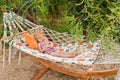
(15, 26)
(91, 53)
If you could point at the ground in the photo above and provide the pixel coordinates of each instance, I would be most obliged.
(29, 67)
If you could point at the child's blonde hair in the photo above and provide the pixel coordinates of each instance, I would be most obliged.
(39, 35)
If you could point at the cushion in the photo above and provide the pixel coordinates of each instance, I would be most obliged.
(30, 40)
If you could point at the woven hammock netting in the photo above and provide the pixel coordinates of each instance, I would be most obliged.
(15, 24)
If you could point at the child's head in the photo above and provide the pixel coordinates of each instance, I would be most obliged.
(39, 37)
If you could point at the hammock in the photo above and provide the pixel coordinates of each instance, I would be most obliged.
(65, 42)
(15, 26)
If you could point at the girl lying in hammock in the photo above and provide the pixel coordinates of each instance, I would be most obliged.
(45, 47)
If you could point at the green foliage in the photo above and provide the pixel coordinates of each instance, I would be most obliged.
(1, 31)
(46, 12)
(99, 17)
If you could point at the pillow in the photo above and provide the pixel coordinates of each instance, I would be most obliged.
(30, 40)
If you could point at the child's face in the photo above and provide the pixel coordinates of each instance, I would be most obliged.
(38, 38)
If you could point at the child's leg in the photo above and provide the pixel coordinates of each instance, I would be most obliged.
(55, 54)
(65, 54)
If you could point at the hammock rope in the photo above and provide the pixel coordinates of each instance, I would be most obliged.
(117, 77)
(13, 21)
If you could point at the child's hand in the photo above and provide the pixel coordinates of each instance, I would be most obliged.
(45, 47)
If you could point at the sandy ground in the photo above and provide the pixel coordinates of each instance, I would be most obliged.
(29, 67)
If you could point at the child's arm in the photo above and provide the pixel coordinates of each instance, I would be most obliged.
(42, 49)
(39, 47)
(45, 47)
